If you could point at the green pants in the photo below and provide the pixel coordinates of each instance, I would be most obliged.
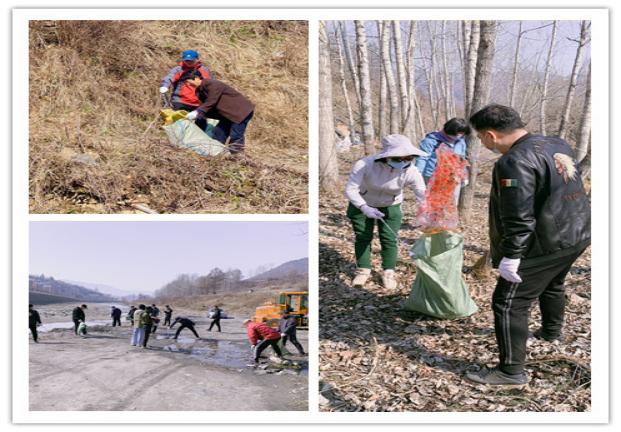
(363, 228)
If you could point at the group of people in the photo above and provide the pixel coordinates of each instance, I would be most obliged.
(144, 320)
(539, 221)
(194, 89)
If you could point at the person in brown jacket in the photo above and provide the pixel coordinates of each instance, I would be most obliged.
(222, 102)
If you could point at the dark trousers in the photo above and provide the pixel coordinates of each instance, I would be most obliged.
(226, 128)
(190, 327)
(215, 322)
(264, 344)
(294, 340)
(167, 320)
(511, 303)
(35, 335)
(200, 122)
(76, 324)
(116, 321)
(147, 332)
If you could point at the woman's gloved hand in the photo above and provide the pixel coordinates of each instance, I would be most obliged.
(371, 212)
(192, 115)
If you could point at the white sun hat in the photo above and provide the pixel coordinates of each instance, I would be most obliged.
(396, 145)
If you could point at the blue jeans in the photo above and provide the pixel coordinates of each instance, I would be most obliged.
(226, 128)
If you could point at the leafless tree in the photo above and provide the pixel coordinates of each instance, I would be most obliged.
(328, 164)
(393, 95)
(516, 61)
(546, 78)
(350, 63)
(341, 71)
(414, 118)
(584, 134)
(366, 106)
(383, 94)
(401, 73)
(471, 65)
(571, 90)
(482, 88)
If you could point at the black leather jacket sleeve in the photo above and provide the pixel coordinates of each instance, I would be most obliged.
(517, 184)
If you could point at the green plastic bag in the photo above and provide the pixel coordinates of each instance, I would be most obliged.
(184, 133)
(439, 289)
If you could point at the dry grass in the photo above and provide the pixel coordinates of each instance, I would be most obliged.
(95, 145)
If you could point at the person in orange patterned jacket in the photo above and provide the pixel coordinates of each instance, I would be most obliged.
(261, 336)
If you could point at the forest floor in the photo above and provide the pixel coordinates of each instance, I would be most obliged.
(103, 372)
(374, 356)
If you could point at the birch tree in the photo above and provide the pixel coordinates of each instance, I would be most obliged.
(516, 60)
(350, 63)
(383, 94)
(401, 73)
(341, 71)
(328, 165)
(584, 134)
(366, 108)
(414, 118)
(482, 88)
(571, 90)
(471, 65)
(395, 117)
(546, 78)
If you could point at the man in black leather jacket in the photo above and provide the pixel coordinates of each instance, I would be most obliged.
(539, 224)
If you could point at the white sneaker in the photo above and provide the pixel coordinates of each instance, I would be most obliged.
(362, 276)
(389, 280)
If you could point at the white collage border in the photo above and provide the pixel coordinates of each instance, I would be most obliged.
(21, 218)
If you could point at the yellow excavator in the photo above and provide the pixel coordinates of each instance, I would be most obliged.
(294, 302)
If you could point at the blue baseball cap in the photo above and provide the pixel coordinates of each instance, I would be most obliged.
(189, 55)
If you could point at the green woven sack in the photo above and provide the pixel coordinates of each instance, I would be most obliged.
(439, 289)
(184, 133)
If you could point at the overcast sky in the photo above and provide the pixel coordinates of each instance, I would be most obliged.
(143, 256)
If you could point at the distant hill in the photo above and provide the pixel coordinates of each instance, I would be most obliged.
(106, 289)
(295, 268)
(51, 288)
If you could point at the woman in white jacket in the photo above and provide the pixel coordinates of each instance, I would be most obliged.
(375, 191)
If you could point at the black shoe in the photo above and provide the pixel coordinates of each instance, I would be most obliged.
(539, 334)
(497, 377)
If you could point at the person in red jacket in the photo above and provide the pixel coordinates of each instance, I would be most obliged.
(183, 96)
(261, 336)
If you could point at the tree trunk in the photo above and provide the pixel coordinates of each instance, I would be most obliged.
(414, 118)
(546, 77)
(516, 60)
(401, 74)
(471, 65)
(350, 63)
(328, 165)
(350, 115)
(446, 81)
(366, 105)
(563, 127)
(395, 117)
(582, 143)
(383, 96)
(482, 88)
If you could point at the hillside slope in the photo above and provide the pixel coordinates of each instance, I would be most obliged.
(95, 142)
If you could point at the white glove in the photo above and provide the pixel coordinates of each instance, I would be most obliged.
(163, 90)
(508, 269)
(282, 335)
(371, 212)
(191, 115)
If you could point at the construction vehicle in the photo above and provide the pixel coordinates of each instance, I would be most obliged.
(295, 302)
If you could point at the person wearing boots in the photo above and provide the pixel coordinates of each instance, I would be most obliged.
(375, 193)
